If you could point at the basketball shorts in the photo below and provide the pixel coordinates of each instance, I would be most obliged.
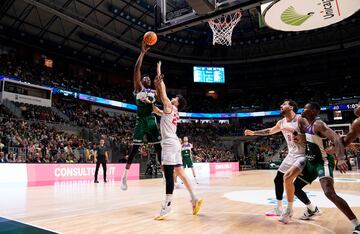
(321, 169)
(292, 160)
(146, 126)
(187, 162)
(171, 152)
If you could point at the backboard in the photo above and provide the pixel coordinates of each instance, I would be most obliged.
(176, 15)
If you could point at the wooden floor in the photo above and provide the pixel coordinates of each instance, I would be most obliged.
(84, 207)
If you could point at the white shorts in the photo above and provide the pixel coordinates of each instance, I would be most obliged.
(290, 160)
(171, 152)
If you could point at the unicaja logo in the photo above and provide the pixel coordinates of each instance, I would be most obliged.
(291, 17)
(303, 15)
(328, 9)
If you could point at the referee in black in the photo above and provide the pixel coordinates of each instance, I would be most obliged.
(101, 157)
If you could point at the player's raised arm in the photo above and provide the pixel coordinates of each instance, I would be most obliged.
(161, 91)
(137, 71)
(159, 76)
(264, 132)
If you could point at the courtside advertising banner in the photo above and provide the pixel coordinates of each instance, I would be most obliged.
(300, 15)
(50, 173)
(202, 170)
(223, 168)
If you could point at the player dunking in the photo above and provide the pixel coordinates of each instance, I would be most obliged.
(171, 147)
(145, 120)
(320, 163)
(292, 127)
(187, 151)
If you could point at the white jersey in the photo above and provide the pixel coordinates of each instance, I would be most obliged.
(288, 129)
(168, 125)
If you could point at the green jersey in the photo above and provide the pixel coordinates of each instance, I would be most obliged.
(186, 150)
(315, 150)
(144, 102)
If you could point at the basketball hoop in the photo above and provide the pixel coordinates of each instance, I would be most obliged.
(223, 27)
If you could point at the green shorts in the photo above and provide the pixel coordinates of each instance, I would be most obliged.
(321, 169)
(187, 162)
(146, 126)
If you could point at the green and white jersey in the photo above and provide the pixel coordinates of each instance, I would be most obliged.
(186, 150)
(144, 102)
(315, 150)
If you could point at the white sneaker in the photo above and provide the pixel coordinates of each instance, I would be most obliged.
(164, 211)
(124, 183)
(356, 230)
(274, 212)
(308, 214)
(286, 216)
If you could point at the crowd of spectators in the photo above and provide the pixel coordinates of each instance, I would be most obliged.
(36, 73)
(34, 112)
(42, 143)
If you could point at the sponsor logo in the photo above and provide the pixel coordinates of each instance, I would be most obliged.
(290, 16)
(295, 15)
(223, 166)
(74, 171)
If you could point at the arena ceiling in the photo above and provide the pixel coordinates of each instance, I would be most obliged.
(111, 31)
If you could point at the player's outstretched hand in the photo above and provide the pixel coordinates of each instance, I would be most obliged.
(144, 47)
(342, 166)
(248, 132)
(158, 68)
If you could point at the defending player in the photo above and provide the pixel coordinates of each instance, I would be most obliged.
(171, 147)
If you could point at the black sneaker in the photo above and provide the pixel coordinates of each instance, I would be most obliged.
(308, 214)
(105, 181)
(356, 230)
(96, 181)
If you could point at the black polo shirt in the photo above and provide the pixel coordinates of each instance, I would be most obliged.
(100, 151)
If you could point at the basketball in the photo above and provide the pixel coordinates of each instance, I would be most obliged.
(150, 38)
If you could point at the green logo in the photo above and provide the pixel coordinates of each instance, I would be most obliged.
(290, 16)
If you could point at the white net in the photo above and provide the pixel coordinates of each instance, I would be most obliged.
(223, 27)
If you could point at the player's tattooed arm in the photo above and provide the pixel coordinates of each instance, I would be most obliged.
(322, 130)
(264, 132)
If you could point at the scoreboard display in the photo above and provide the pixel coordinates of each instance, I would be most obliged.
(209, 74)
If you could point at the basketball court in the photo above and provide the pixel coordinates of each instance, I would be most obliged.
(231, 202)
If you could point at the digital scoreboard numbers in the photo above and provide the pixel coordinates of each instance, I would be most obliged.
(209, 74)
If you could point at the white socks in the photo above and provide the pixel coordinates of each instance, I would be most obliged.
(311, 207)
(192, 195)
(279, 204)
(290, 206)
(355, 222)
(126, 173)
(168, 199)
